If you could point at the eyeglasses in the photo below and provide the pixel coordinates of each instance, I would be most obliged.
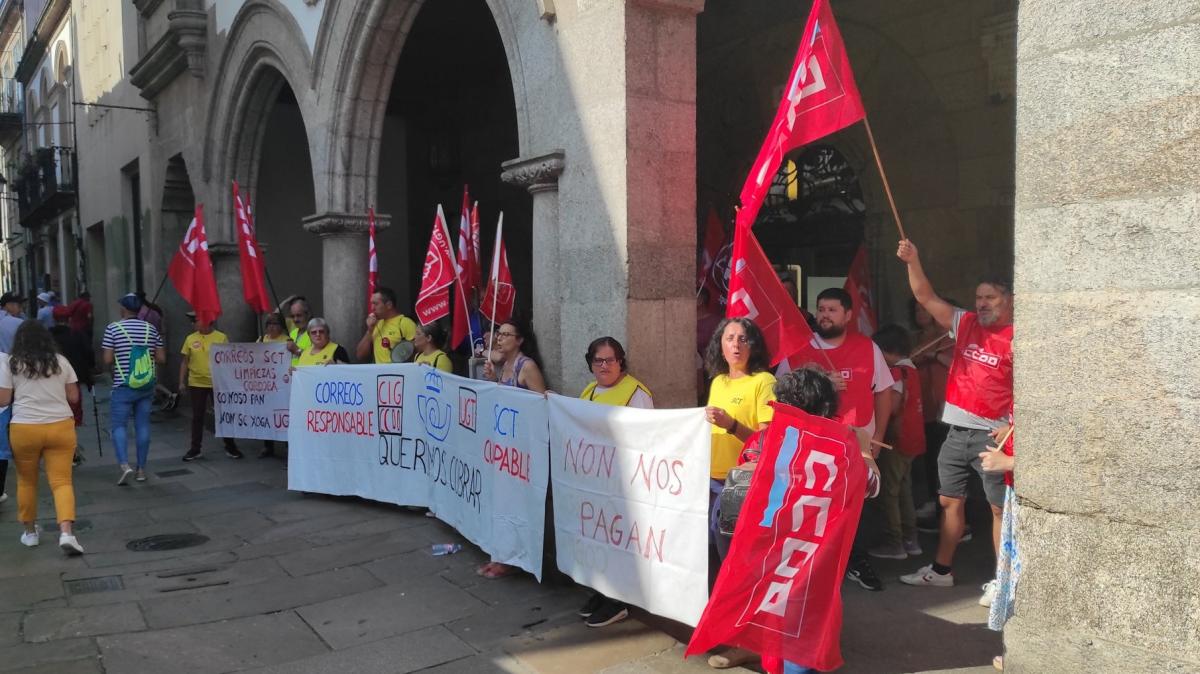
(507, 334)
(603, 361)
(318, 331)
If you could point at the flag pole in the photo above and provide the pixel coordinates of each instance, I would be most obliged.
(887, 189)
(495, 281)
(163, 283)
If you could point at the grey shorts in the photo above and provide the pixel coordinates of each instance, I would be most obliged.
(959, 458)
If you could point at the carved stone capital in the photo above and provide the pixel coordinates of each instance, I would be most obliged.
(191, 29)
(222, 249)
(536, 174)
(344, 224)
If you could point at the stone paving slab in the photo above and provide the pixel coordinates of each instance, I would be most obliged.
(411, 652)
(123, 556)
(48, 655)
(18, 593)
(268, 596)
(181, 578)
(62, 623)
(86, 666)
(575, 648)
(365, 549)
(10, 629)
(388, 611)
(212, 648)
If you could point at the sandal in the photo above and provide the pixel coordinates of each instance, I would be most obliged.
(998, 663)
(494, 570)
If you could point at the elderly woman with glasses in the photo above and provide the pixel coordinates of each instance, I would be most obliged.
(323, 351)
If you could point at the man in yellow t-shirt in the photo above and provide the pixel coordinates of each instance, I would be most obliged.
(195, 374)
(386, 327)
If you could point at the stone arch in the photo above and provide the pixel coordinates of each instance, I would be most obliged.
(363, 69)
(266, 51)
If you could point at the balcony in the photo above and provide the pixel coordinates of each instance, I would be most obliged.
(46, 185)
(12, 107)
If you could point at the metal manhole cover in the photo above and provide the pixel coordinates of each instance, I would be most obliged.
(174, 473)
(166, 542)
(89, 585)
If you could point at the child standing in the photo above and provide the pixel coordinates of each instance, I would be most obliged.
(906, 435)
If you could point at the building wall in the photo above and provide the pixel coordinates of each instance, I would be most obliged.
(1108, 295)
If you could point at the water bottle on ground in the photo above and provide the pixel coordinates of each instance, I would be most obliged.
(440, 549)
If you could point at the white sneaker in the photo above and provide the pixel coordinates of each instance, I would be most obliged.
(3, 497)
(31, 538)
(926, 576)
(69, 545)
(989, 593)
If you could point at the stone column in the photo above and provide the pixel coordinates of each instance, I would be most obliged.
(1107, 297)
(539, 174)
(344, 264)
(237, 319)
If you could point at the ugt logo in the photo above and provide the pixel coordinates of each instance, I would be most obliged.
(468, 408)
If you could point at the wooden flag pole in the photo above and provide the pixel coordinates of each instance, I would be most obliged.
(926, 347)
(1004, 438)
(886, 187)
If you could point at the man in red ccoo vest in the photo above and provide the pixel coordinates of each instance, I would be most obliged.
(979, 395)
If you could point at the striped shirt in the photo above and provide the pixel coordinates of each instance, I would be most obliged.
(140, 332)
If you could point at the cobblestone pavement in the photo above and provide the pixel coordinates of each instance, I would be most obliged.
(287, 582)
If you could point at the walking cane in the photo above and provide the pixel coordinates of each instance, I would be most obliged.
(96, 416)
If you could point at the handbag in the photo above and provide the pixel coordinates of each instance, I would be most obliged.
(737, 485)
(5, 447)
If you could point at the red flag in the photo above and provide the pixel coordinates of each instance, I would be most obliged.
(820, 98)
(714, 239)
(466, 271)
(858, 285)
(433, 301)
(497, 303)
(372, 264)
(254, 288)
(476, 260)
(756, 292)
(191, 271)
(779, 589)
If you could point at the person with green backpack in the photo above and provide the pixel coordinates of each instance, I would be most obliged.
(133, 349)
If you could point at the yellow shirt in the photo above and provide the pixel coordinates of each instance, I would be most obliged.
(302, 340)
(265, 339)
(745, 399)
(390, 332)
(437, 359)
(195, 349)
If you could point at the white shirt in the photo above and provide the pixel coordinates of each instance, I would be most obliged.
(39, 401)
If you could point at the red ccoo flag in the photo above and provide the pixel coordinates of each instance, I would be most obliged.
(779, 592)
(821, 98)
(497, 304)
(254, 288)
(467, 273)
(191, 271)
(756, 293)
(858, 285)
(372, 264)
(433, 301)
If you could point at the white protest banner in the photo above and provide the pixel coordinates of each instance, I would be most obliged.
(251, 390)
(473, 452)
(631, 503)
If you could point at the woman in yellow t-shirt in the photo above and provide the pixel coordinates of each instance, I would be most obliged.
(273, 330)
(742, 385)
(323, 351)
(428, 341)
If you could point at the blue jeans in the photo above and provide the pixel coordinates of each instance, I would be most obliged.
(793, 668)
(124, 401)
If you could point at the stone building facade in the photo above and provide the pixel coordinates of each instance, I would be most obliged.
(606, 130)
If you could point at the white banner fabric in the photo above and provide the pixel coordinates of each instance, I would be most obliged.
(473, 452)
(631, 503)
(250, 390)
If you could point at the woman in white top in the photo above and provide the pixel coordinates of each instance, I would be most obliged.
(40, 385)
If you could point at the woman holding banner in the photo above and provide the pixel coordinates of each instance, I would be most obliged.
(273, 331)
(515, 350)
(323, 351)
(613, 386)
(742, 387)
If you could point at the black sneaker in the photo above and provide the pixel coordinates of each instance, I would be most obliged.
(608, 613)
(234, 453)
(192, 455)
(860, 571)
(594, 602)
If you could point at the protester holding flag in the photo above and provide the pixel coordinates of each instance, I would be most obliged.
(125, 343)
(515, 348)
(979, 399)
(429, 341)
(386, 328)
(195, 376)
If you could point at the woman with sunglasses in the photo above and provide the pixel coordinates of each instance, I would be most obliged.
(741, 387)
(517, 363)
(323, 351)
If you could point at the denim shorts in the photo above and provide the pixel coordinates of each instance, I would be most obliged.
(959, 458)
